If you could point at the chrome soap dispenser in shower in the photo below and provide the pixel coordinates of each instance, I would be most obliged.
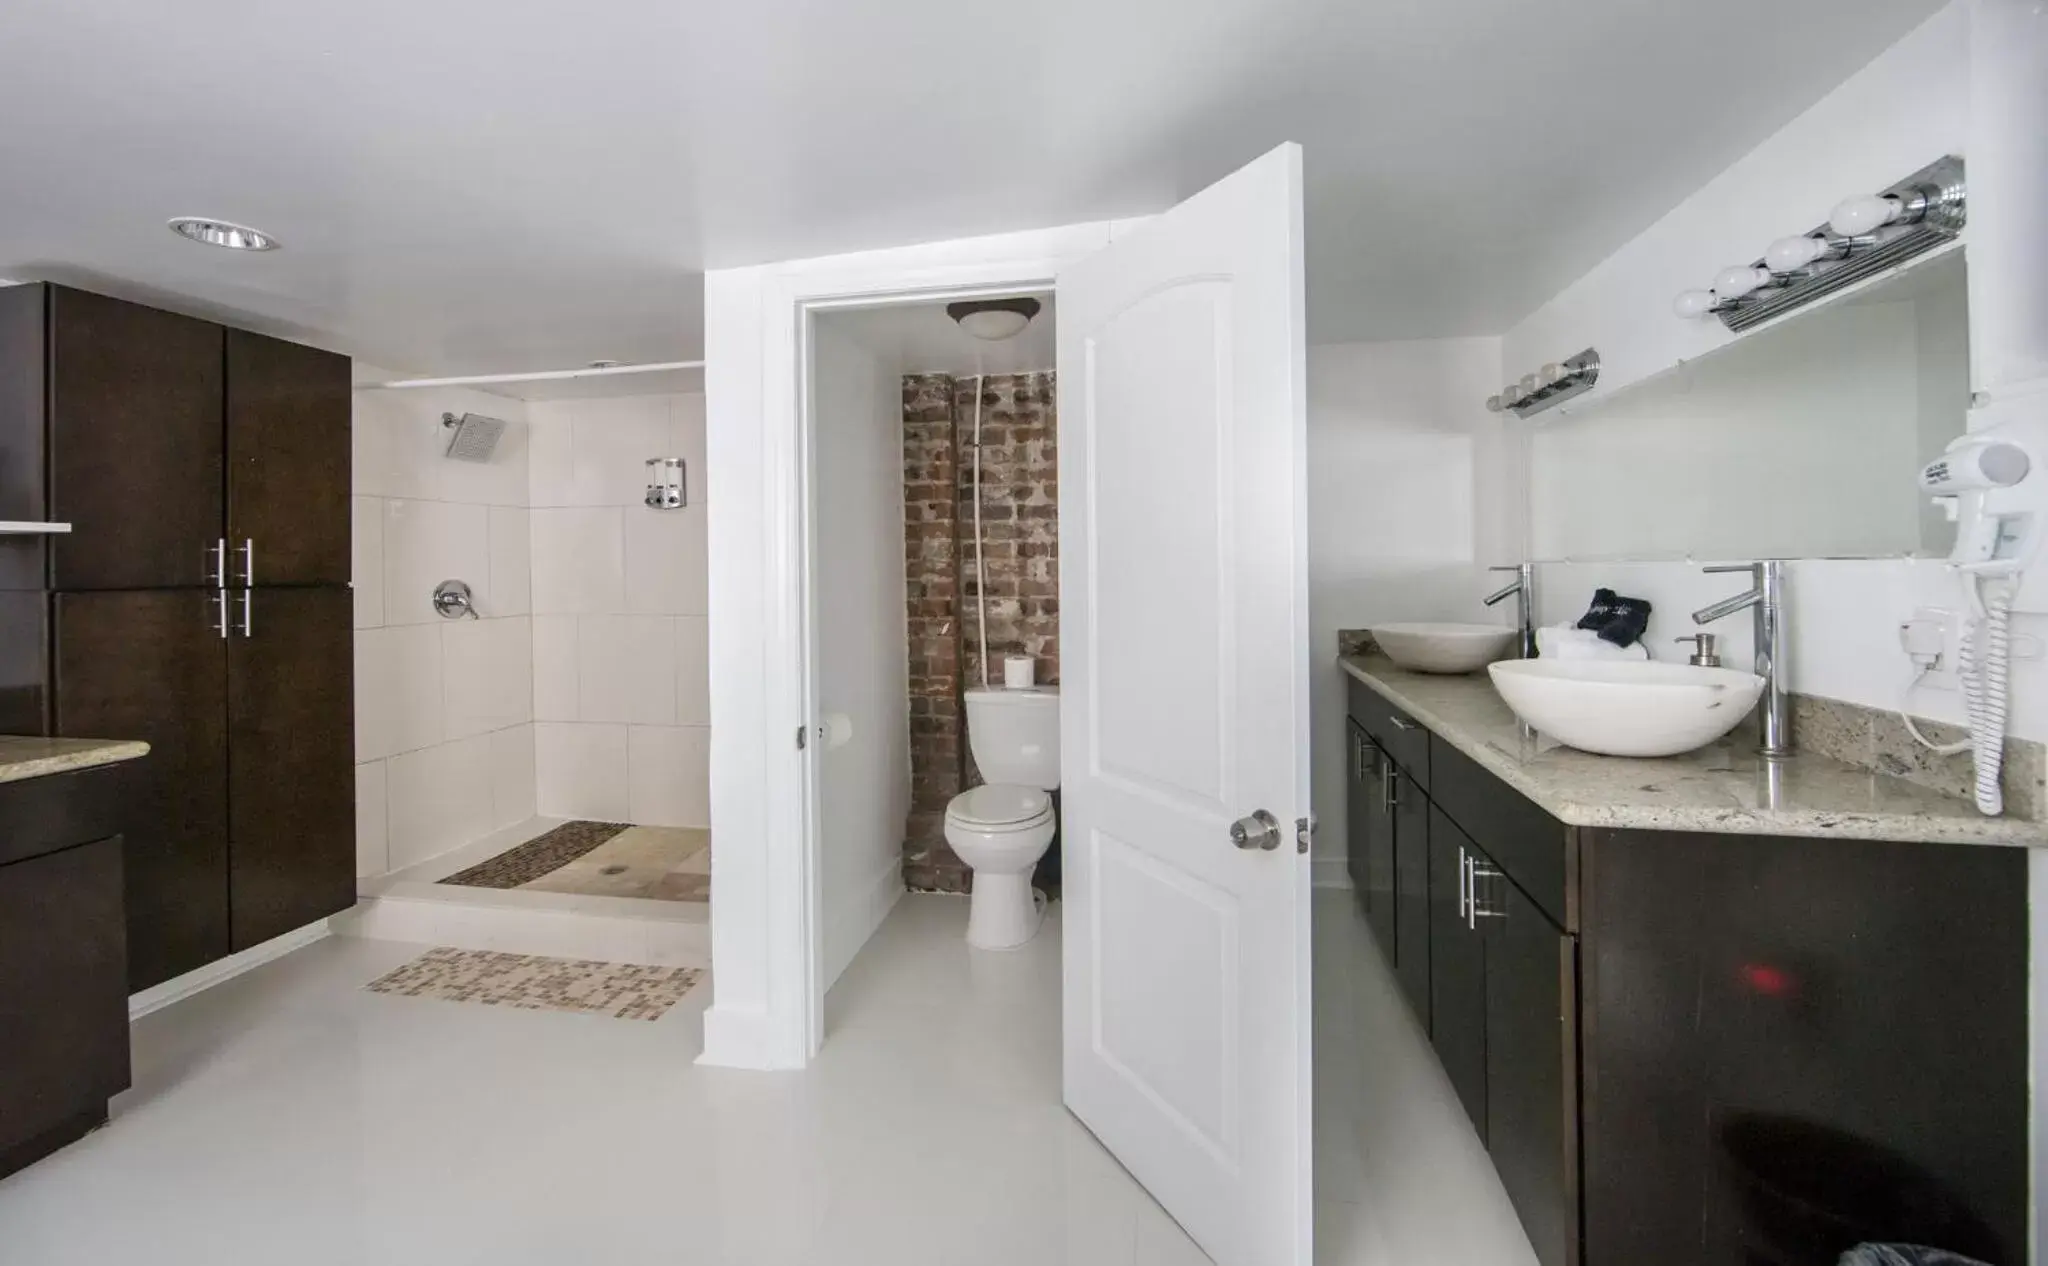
(665, 483)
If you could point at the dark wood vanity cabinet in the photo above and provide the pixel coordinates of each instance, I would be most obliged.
(1719, 1050)
(200, 602)
(63, 967)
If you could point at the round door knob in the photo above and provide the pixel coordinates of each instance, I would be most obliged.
(1261, 830)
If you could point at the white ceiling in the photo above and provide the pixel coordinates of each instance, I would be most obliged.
(919, 338)
(491, 185)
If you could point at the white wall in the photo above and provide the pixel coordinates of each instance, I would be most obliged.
(444, 709)
(620, 661)
(766, 1009)
(863, 653)
(1398, 440)
(1907, 108)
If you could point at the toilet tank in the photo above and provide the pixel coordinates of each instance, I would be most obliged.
(1015, 735)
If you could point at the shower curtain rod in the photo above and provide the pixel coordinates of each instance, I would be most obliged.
(589, 371)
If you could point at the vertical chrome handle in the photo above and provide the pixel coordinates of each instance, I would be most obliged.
(1483, 870)
(248, 562)
(1390, 783)
(1464, 886)
(218, 575)
(248, 611)
(220, 599)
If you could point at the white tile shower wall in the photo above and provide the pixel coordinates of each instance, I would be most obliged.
(619, 598)
(444, 709)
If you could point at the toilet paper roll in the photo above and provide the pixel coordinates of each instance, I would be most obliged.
(1017, 672)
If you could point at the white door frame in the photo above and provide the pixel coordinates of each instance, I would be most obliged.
(766, 930)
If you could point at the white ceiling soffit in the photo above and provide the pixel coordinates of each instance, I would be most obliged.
(919, 338)
(473, 185)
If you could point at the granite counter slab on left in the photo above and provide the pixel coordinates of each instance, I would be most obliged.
(23, 756)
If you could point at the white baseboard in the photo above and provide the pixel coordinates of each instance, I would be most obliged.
(848, 927)
(744, 1039)
(157, 997)
(1329, 872)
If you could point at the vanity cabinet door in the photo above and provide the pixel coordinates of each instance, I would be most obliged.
(63, 994)
(135, 444)
(1457, 971)
(1532, 1107)
(1372, 833)
(291, 761)
(1408, 823)
(287, 462)
(152, 665)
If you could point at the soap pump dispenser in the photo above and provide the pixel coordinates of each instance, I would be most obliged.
(1703, 653)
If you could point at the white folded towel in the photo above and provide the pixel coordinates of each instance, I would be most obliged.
(1562, 641)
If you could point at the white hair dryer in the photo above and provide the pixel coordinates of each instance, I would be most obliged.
(1993, 484)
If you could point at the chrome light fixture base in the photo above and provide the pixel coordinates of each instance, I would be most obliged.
(222, 233)
(1553, 385)
(1934, 209)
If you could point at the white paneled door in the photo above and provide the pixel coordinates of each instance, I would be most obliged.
(1184, 657)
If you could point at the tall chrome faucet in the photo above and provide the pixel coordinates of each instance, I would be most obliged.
(1766, 597)
(1523, 589)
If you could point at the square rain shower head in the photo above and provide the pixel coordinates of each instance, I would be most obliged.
(474, 436)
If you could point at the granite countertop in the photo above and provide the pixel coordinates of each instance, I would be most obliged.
(22, 757)
(1725, 787)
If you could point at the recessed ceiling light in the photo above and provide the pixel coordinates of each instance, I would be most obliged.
(233, 237)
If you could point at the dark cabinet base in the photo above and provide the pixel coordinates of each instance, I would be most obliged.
(63, 961)
(28, 1151)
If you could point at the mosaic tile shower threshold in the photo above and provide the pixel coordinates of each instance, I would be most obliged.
(602, 859)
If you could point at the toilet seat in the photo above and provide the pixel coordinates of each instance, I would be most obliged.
(999, 808)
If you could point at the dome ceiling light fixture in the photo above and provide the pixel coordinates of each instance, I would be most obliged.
(222, 233)
(993, 320)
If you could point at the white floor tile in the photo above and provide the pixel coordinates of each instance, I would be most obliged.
(289, 1115)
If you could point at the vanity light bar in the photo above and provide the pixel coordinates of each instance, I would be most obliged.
(1554, 384)
(1864, 236)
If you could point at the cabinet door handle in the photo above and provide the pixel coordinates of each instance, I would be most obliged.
(1464, 886)
(220, 599)
(248, 561)
(217, 574)
(1390, 783)
(248, 611)
(1484, 870)
(1401, 723)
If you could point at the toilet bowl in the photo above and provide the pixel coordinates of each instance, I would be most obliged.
(1001, 829)
(1000, 832)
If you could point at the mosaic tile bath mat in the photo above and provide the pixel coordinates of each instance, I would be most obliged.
(539, 856)
(533, 983)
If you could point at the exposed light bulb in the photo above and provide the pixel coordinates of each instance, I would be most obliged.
(1554, 372)
(1733, 283)
(1530, 383)
(1493, 404)
(1860, 217)
(1790, 254)
(1511, 395)
(1693, 303)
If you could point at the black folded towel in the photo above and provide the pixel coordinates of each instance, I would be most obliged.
(1616, 619)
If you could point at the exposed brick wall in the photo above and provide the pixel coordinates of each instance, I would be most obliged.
(1020, 517)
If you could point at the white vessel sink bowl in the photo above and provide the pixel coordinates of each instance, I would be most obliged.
(1443, 648)
(1627, 708)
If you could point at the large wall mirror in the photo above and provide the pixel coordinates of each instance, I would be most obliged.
(1801, 440)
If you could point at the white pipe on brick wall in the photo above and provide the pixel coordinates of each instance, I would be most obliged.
(980, 572)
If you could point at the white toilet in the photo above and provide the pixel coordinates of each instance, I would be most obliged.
(1002, 828)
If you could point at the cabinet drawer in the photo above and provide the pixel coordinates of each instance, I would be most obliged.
(1524, 841)
(1400, 734)
(43, 815)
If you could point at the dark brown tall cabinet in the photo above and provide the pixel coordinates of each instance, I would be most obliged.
(200, 602)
